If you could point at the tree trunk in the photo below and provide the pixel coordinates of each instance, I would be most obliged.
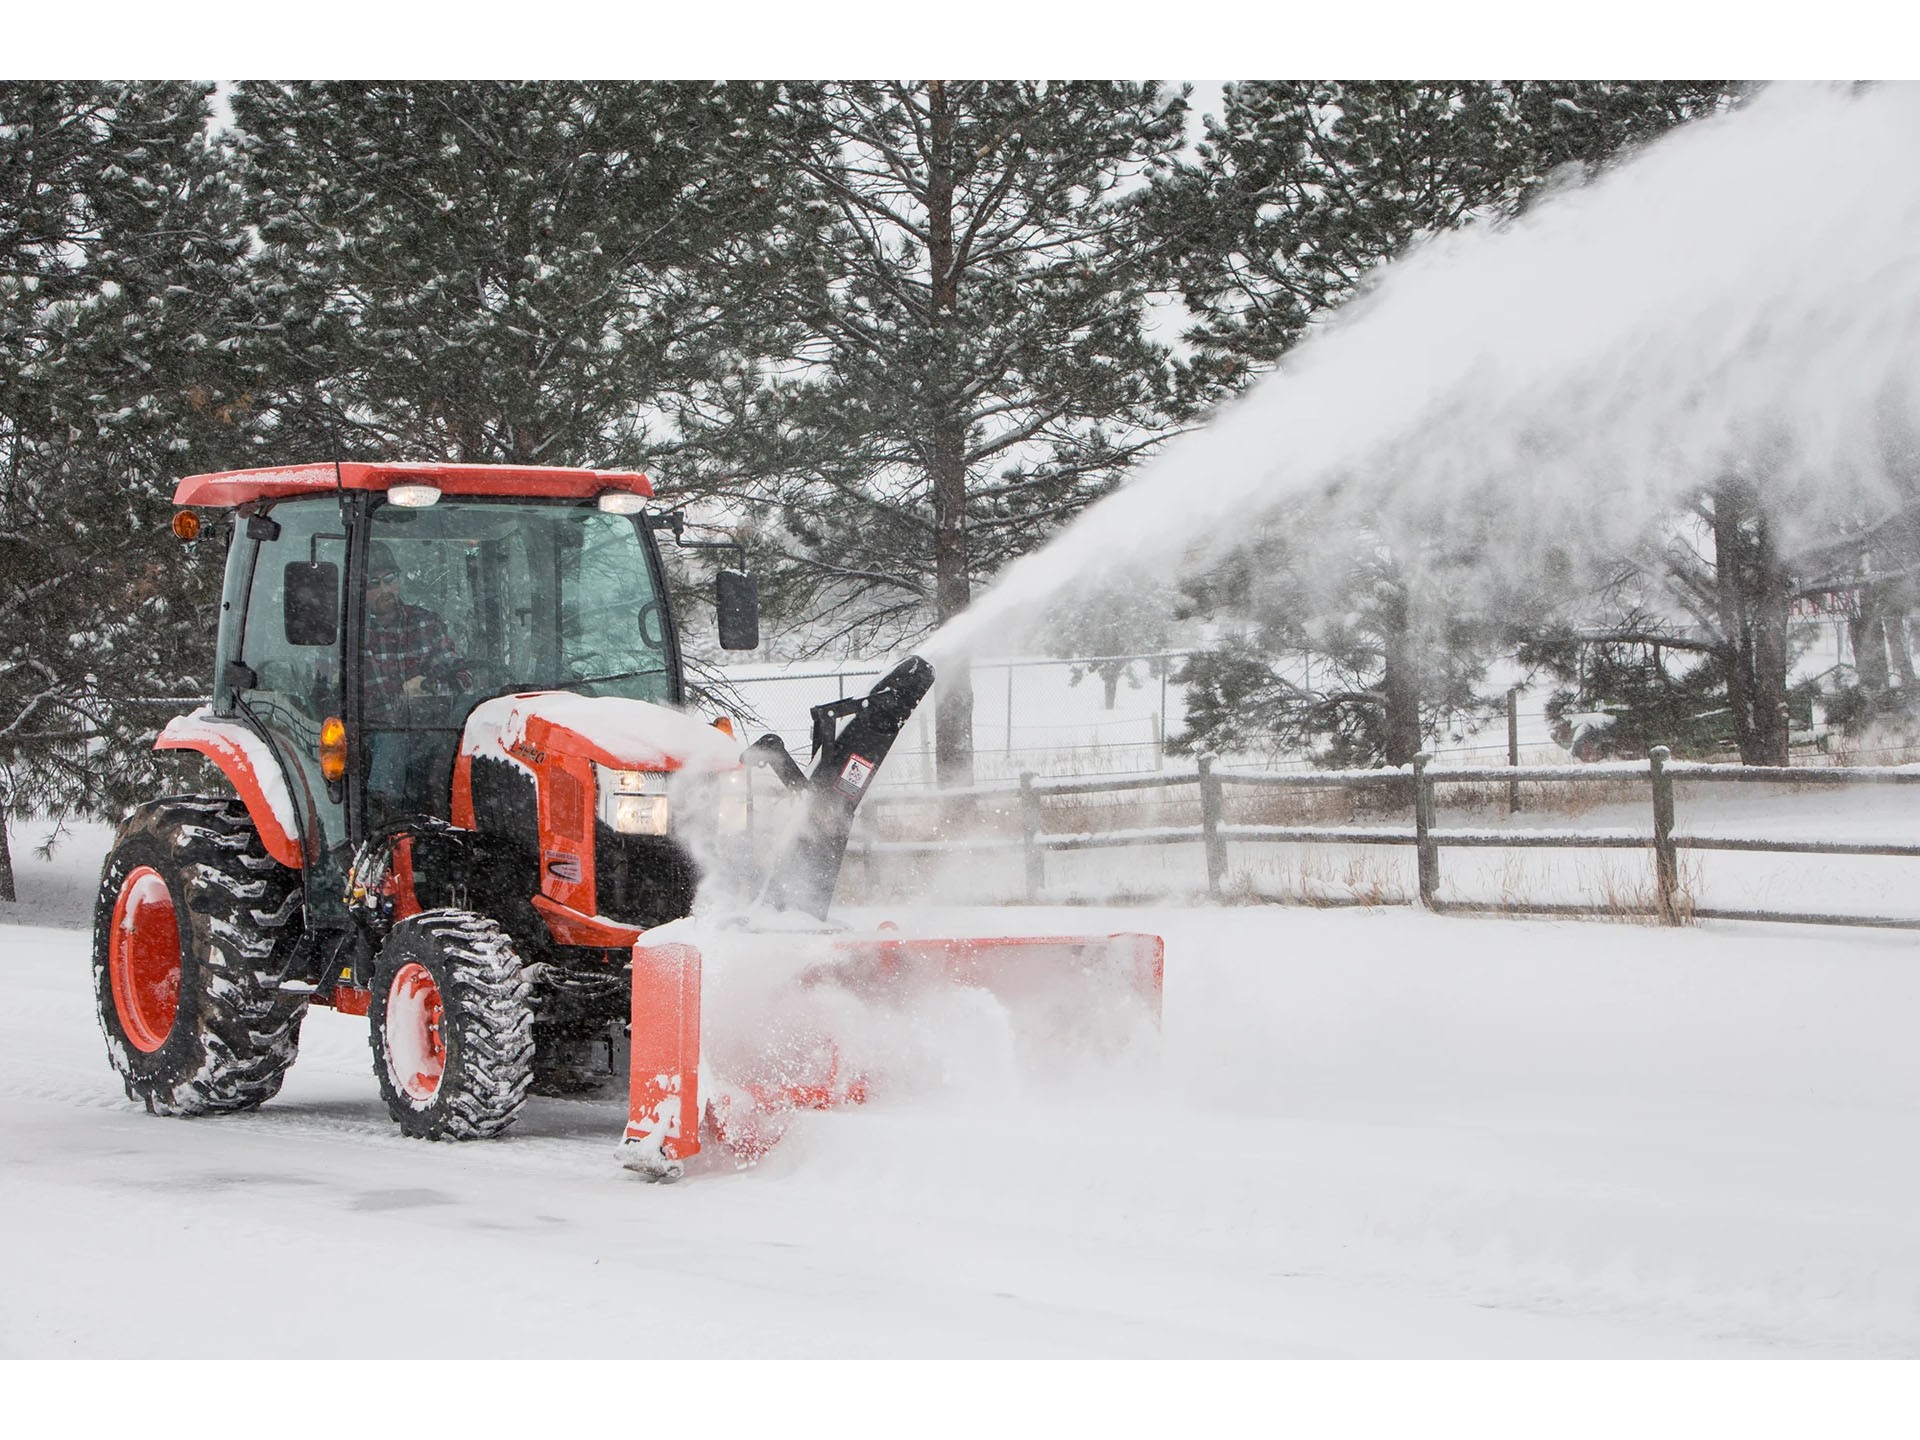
(1867, 634)
(953, 715)
(1899, 649)
(1399, 685)
(1754, 601)
(6, 862)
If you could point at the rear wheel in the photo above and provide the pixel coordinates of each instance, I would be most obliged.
(452, 1026)
(195, 928)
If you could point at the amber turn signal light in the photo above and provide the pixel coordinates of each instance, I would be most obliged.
(186, 525)
(725, 726)
(333, 749)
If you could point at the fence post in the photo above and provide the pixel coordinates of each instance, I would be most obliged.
(1513, 747)
(1009, 714)
(1160, 730)
(1211, 808)
(1030, 835)
(1666, 868)
(1428, 852)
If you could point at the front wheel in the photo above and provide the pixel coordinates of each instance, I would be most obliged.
(452, 1026)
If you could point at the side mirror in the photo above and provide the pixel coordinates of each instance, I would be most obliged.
(738, 600)
(311, 602)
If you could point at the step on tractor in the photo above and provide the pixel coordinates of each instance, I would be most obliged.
(469, 803)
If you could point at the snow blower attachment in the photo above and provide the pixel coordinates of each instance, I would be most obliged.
(800, 982)
(466, 801)
(816, 1019)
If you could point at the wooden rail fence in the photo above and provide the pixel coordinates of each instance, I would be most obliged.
(1214, 834)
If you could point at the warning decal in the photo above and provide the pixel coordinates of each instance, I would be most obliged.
(854, 776)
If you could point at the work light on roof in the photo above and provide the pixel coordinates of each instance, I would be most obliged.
(621, 502)
(413, 496)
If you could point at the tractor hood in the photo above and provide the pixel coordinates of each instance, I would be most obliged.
(617, 733)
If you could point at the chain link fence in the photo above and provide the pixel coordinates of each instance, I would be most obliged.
(1097, 716)
(1113, 715)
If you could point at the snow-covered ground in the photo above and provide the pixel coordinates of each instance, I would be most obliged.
(1365, 1133)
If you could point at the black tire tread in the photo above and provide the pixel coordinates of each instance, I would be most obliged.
(243, 922)
(487, 1000)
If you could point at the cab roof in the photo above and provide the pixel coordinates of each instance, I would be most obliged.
(278, 482)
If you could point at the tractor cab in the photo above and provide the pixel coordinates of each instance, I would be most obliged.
(370, 611)
(458, 601)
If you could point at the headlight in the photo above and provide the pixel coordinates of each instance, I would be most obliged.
(634, 802)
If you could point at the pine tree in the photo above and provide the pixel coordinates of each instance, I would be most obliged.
(1350, 646)
(502, 272)
(973, 365)
(118, 372)
(1302, 188)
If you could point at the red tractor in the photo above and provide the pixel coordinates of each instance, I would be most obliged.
(448, 701)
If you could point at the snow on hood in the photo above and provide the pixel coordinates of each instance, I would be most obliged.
(627, 734)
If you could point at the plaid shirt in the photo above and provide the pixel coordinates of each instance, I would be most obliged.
(410, 641)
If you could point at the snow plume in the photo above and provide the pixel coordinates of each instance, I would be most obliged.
(1741, 297)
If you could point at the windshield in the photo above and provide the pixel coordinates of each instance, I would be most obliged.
(489, 597)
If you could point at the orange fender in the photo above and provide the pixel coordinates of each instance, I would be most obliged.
(251, 768)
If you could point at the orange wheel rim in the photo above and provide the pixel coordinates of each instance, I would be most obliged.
(416, 1051)
(143, 959)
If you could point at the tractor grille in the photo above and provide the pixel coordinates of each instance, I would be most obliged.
(641, 879)
(504, 802)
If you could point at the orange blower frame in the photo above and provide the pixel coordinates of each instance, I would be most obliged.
(664, 1101)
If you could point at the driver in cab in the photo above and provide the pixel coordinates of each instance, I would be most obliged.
(409, 654)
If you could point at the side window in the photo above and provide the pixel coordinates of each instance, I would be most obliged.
(233, 609)
(304, 680)
(296, 687)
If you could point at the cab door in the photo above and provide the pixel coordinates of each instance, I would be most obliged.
(289, 689)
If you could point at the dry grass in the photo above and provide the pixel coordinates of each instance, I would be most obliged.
(1250, 805)
(1513, 886)
(1318, 876)
(1615, 888)
(1543, 797)
(1880, 747)
(1631, 898)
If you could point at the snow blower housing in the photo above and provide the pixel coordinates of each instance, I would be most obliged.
(448, 699)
